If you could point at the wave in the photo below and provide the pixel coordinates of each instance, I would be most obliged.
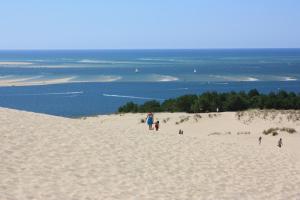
(47, 94)
(131, 97)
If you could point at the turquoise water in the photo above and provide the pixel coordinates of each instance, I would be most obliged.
(99, 81)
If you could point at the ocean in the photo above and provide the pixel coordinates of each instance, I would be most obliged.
(75, 83)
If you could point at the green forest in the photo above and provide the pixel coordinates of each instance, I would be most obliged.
(214, 101)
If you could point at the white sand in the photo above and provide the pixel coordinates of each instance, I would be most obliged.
(15, 63)
(7, 81)
(34, 80)
(116, 157)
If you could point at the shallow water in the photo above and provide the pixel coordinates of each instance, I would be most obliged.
(99, 81)
(81, 99)
(152, 65)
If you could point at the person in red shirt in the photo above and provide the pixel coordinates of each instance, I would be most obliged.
(156, 125)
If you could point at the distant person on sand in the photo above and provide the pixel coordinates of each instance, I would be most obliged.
(149, 120)
(280, 143)
(259, 139)
(156, 125)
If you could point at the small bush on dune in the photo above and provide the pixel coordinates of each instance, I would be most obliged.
(274, 131)
(166, 120)
(243, 133)
(289, 130)
(219, 133)
(184, 119)
(197, 116)
(269, 131)
(215, 133)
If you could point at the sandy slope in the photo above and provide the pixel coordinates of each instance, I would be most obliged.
(116, 157)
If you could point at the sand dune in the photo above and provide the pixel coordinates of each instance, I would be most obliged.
(116, 157)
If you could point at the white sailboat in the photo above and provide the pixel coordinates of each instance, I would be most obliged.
(136, 70)
(195, 71)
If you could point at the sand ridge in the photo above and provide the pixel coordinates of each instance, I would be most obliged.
(116, 157)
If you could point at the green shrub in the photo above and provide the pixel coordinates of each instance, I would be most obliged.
(289, 130)
(129, 107)
(184, 103)
(274, 131)
(211, 101)
(150, 106)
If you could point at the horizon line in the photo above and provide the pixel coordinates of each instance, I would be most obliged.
(106, 49)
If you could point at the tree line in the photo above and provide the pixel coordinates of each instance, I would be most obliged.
(213, 101)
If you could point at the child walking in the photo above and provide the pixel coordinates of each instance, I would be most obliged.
(156, 125)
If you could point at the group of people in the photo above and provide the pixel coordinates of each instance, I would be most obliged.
(150, 122)
(279, 142)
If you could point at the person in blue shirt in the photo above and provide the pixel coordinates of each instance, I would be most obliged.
(149, 120)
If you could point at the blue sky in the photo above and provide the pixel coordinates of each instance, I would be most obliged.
(148, 24)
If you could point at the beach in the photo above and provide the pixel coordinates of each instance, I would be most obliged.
(117, 157)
